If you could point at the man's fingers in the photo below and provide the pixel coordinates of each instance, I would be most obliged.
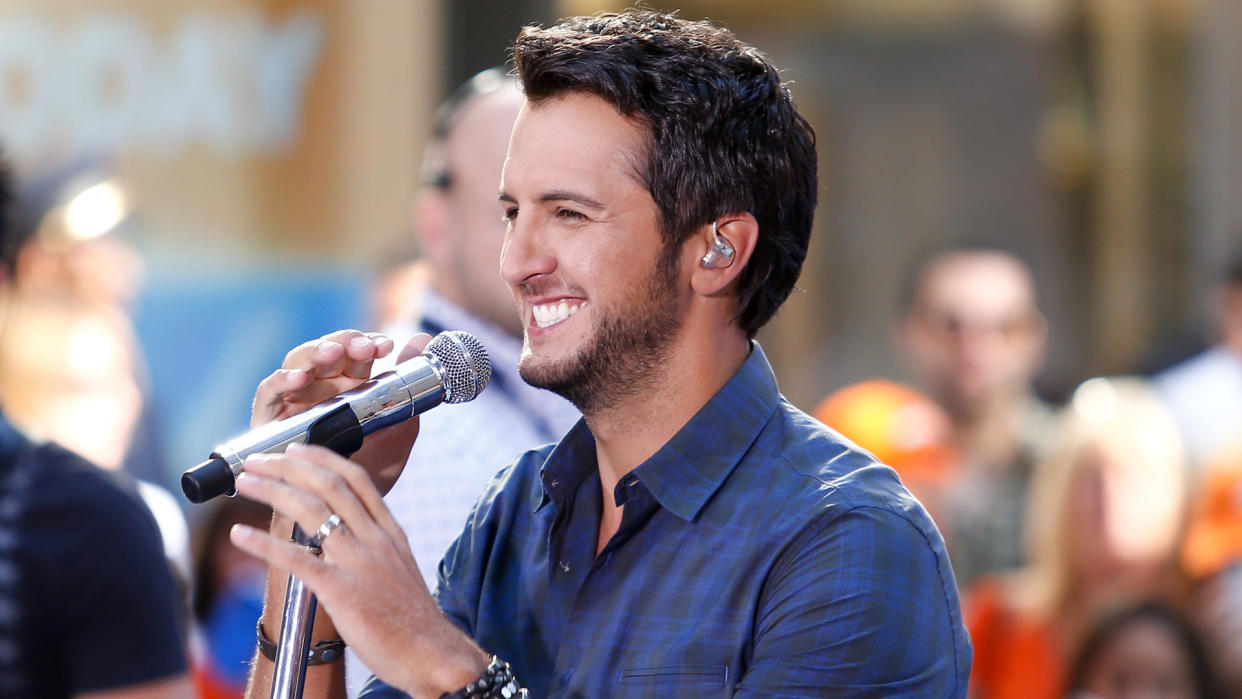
(307, 485)
(342, 353)
(413, 347)
(359, 353)
(317, 370)
(362, 490)
(313, 353)
(269, 398)
(282, 554)
(383, 344)
(379, 527)
(303, 508)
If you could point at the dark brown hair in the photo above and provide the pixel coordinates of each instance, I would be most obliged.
(725, 136)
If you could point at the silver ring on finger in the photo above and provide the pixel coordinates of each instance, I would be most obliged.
(331, 524)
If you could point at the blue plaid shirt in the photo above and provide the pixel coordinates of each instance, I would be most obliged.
(760, 554)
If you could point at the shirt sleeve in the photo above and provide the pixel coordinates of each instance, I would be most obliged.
(861, 604)
(454, 576)
(110, 590)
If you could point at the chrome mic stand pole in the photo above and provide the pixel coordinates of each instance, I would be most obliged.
(293, 647)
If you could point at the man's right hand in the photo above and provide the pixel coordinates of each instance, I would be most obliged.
(321, 369)
(369, 586)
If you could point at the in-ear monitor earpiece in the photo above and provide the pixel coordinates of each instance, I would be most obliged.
(720, 254)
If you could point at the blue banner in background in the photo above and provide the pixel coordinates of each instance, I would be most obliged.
(210, 340)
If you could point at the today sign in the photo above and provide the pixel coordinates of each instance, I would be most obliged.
(231, 83)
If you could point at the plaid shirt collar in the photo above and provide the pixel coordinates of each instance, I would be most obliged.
(684, 474)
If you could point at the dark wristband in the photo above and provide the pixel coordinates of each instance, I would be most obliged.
(496, 682)
(319, 654)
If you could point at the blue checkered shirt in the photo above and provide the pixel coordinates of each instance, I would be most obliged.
(760, 554)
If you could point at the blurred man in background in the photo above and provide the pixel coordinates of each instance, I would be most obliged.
(88, 606)
(460, 235)
(71, 367)
(68, 237)
(974, 337)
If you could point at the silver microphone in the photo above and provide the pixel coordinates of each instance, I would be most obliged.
(454, 368)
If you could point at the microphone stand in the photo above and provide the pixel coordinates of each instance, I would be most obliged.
(293, 647)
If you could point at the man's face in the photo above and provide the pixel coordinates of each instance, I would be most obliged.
(1146, 659)
(474, 155)
(599, 301)
(1122, 512)
(973, 334)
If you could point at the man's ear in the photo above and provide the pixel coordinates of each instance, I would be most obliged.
(721, 250)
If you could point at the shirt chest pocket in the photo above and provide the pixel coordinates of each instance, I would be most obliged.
(669, 680)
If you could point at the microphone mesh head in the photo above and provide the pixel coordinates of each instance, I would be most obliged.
(467, 369)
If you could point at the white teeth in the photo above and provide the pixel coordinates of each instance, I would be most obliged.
(552, 313)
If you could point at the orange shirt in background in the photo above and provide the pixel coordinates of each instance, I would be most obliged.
(1016, 654)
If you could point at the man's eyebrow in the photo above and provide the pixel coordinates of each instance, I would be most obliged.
(559, 195)
(570, 195)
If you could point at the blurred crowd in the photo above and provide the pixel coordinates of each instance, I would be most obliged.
(1097, 542)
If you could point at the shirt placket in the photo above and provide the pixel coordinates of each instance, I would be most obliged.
(581, 577)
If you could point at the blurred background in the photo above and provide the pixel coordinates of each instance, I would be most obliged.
(269, 152)
(204, 185)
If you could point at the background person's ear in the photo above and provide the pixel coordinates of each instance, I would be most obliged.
(431, 227)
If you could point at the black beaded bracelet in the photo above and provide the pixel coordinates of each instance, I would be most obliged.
(319, 654)
(496, 682)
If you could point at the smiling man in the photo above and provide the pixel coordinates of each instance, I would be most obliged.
(694, 534)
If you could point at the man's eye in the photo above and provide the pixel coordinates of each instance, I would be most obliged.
(509, 214)
(569, 215)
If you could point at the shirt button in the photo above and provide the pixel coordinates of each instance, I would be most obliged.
(565, 566)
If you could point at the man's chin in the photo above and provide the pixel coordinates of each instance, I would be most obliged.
(542, 372)
(571, 379)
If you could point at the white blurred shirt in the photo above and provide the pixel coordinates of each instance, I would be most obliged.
(1204, 393)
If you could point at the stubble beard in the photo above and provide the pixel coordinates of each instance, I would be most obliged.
(626, 353)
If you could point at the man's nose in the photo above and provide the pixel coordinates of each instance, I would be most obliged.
(526, 253)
